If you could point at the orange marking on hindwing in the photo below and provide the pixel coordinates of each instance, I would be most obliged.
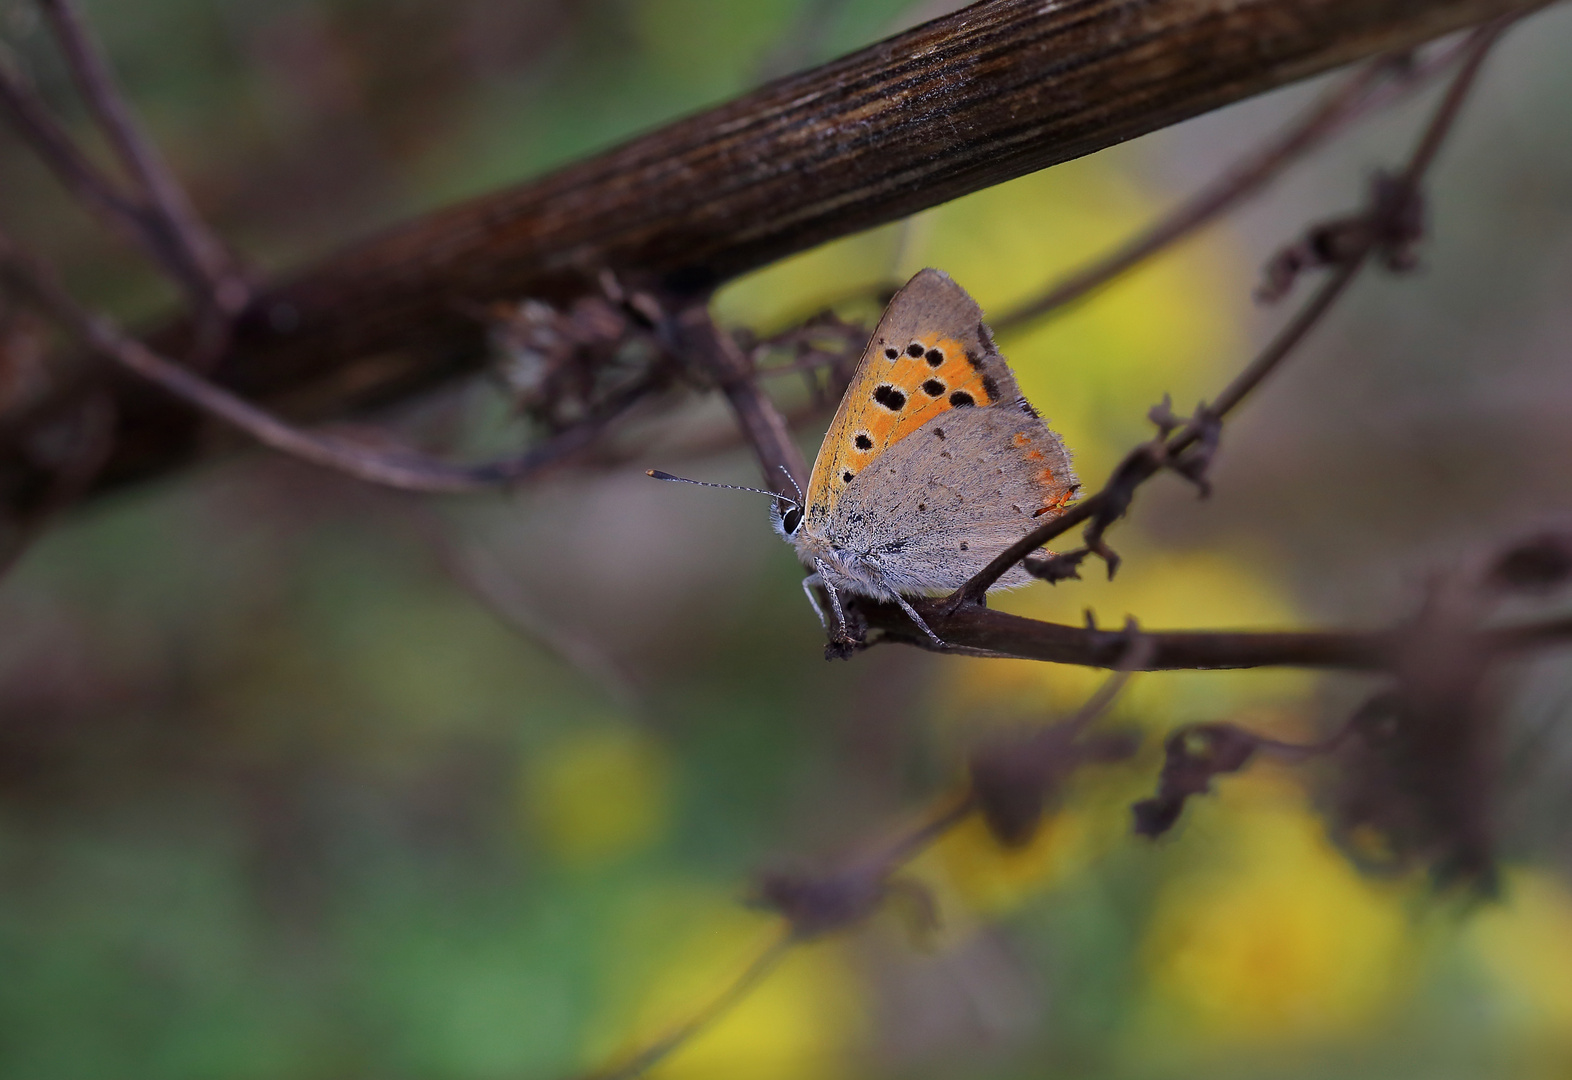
(1053, 503)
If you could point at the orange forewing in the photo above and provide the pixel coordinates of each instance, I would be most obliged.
(930, 375)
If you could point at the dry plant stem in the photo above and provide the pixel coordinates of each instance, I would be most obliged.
(404, 470)
(1245, 180)
(59, 152)
(1141, 470)
(991, 92)
(500, 593)
(125, 216)
(1136, 469)
(717, 354)
(206, 264)
(1360, 96)
(977, 631)
(908, 847)
(755, 973)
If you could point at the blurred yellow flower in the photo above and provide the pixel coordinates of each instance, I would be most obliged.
(969, 868)
(598, 794)
(1524, 943)
(803, 1020)
(1272, 936)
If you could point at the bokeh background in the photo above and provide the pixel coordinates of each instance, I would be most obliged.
(300, 779)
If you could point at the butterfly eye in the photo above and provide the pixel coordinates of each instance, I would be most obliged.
(791, 519)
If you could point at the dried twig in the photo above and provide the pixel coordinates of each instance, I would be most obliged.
(406, 470)
(202, 260)
(60, 153)
(1187, 450)
(499, 592)
(717, 354)
(1377, 85)
(1196, 754)
(729, 998)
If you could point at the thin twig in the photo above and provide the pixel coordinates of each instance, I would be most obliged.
(498, 591)
(908, 847)
(1150, 458)
(1374, 87)
(60, 153)
(756, 971)
(405, 470)
(206, 264)
(761, 422)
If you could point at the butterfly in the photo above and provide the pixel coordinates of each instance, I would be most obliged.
(933, 465)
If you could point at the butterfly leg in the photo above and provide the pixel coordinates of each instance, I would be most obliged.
(916, 618)
(835, 599)
(809, 583)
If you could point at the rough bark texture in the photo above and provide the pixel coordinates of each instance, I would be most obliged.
(997, 90)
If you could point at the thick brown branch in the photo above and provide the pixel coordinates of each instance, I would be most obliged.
(994, 91)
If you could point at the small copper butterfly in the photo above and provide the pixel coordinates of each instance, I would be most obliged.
(933, 465)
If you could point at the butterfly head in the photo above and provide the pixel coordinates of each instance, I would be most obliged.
(786, 517)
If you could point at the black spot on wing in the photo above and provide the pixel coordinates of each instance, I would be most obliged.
(935, 358)
(892, 353)
(889, 397)
(862, 442)
(933, 388)
(914, 349)
(846, 476)
(960, 399)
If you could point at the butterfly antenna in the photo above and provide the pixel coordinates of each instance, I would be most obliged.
(657, 474)
(792, 480)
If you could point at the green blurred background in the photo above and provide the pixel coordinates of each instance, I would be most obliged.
(304, 780)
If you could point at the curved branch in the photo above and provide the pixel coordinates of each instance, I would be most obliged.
(997, 90)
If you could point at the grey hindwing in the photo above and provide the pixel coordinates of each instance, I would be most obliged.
(942, 502)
